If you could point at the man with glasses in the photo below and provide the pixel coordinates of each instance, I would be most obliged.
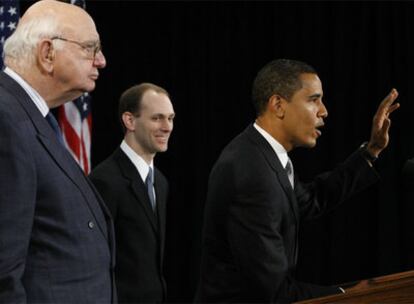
(56, 235)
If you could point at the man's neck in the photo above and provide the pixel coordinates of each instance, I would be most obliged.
(274, 130)
(147, 157)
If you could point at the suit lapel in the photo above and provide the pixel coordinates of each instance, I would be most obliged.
(138, 187)
(275, 164)
(58, 153)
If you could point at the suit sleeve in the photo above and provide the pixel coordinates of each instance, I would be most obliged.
(17, 206)
(330, 189)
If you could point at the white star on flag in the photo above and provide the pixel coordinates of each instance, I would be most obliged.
(12, 11)
(9, 17)
(12, 26)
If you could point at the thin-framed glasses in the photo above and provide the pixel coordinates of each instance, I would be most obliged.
(91, 48)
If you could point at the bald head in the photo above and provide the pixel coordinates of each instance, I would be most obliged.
(57, 8)
(44, 19)
(67, 15)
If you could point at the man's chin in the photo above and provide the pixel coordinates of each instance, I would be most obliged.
(90, 87)
(308, 144)
(162, 148)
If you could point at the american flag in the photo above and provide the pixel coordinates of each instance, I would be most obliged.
(75, 121)
(9, 17)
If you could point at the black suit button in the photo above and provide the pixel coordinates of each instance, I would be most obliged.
(91, 224)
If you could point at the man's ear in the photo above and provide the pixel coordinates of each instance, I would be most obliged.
(276, 105)
(128, 119)
(46, 55)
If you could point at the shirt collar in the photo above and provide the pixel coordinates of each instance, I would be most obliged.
(276, 146)
(34, 95)
(139, 163)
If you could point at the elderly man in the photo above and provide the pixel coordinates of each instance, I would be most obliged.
(56, 236)
(255, 202)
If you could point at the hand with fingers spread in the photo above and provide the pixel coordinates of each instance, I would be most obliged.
(381, 124)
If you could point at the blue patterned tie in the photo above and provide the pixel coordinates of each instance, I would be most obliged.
(150, 188)
(54, 124)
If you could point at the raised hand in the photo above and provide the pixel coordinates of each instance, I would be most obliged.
(381, 124)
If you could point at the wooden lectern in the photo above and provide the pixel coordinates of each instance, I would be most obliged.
(394, 288)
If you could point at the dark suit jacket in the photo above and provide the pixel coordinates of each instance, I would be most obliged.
(251, 223)
(56, 237)
(140, 233)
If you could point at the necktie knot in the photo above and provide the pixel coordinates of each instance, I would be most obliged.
(288, 168)
(149, 179)
(55, 126)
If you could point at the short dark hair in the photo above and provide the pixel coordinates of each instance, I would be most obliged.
(280, 76)
(130, 100)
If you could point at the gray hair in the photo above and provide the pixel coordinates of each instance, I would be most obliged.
(20, 47)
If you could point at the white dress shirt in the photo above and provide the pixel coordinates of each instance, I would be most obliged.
(277, 147)
(139, 163)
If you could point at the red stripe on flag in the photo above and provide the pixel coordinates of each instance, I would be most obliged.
(71, 138)
(85, 156)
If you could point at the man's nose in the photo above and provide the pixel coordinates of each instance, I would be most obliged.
(99, 60)
(323, 112)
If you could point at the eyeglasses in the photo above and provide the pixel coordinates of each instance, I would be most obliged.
(91, 48)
